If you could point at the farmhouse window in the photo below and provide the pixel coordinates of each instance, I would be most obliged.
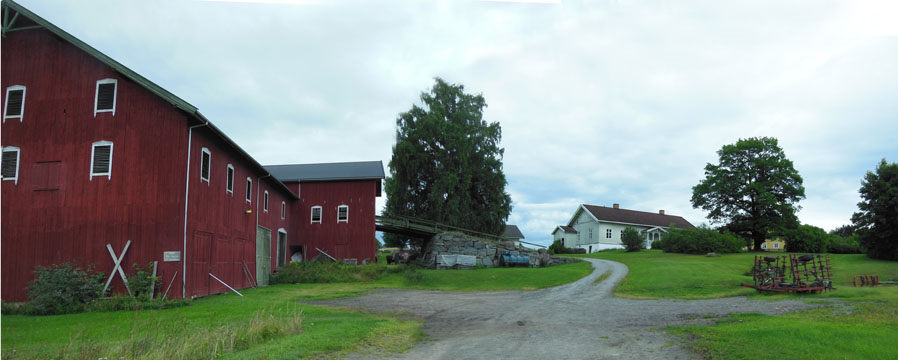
(776, 245)
(205, 164)
(105, 97)
(283, 210)
(607, 233)
(343, 213)
(10, 164)
(265, 201)
(249, 190)
(101, 159)
(590, 234)
(230, 181)
(15, 103)
(316, 214)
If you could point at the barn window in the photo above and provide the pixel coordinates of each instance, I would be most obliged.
(249, 189)
(343, 213)
(316, 214)
(15, 103)
(265, 201)
(607, 233)
(230, 181)
(10, 164)
(101, 159)
(205, 164)
(283, 210)
(105, 98)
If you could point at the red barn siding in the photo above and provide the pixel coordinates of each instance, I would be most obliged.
(352, 240)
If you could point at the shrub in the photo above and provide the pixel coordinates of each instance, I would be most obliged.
(139, 283)
(328, 272)
(845, 245)
(806, 238)
(64, 288)
(632, 240)
(557, 248)
(700, 240)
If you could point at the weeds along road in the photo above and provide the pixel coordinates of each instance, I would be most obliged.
(580, 320)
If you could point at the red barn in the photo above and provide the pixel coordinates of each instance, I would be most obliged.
(95, 154)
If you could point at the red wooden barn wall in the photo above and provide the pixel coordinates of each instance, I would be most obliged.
(352, 240)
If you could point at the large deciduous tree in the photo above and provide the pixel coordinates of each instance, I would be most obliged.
(753, 190)
(447, 164)
(877, 221)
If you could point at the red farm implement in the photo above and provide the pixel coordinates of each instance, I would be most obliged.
(804, 274)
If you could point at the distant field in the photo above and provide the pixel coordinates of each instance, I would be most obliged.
(865, 329)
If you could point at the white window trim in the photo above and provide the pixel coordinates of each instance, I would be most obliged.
(283, 210)
(93, 148)
(347, 213)
(249, 192)
(6, 103)
(206, 179)
(320, 214)
(114, 95)
(265, 201)
(229, 187)
(18, 161)
(608, 233)
(279, 256)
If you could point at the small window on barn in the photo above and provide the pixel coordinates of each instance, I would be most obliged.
(15, 103)
(10, 160)
(205, 164)
(343, 213)
(105, 98)
(249, 189)
(316, 214)
(607, 233)
(101, 159)
(265, 201)
(230, 181)
(283, 210)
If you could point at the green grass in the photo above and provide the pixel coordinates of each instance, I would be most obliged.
(602, 277)
(325, 330)
(865, 328)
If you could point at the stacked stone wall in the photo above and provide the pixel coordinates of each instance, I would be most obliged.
(488, 253)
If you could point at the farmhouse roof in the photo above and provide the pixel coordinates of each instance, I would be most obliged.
(566, 229)
(602, 213)
(512, 231)
(360, 170)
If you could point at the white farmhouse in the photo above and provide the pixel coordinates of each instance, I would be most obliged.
(595, 228)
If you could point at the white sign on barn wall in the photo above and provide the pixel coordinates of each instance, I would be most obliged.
(169, 256)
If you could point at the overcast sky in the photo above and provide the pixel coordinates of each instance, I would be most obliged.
(600, 102)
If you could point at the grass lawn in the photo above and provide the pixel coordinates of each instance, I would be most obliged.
(324, 330)
(865, 329)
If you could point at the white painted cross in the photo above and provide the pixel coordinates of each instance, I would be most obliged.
(118, 266)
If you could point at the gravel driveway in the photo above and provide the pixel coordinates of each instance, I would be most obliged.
(580, 320)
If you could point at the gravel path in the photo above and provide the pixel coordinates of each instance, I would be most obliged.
(580, 320)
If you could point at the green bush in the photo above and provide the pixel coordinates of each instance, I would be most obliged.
(63, 288)
(328, 272)
(139, 283)
(806, 238)
(700, 240)
(632, 240)
(557, 248)
(845, 245)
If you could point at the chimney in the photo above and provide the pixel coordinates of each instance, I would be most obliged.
(661, 212)
(616, 206)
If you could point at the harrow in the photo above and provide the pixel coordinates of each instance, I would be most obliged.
(800, 274)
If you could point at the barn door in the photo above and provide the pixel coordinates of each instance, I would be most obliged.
(263, 255)
(282, 248)
(199, 266)
(221, 264)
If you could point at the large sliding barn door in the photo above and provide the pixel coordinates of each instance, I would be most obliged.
(199, 267)
(263, 255)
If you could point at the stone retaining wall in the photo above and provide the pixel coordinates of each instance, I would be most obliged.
(487, 253)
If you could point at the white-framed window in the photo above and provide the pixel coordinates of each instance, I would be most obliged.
(265, 201)
(249, 189)
(205, 165)
(230, 180)
(343, 213)
(14, 108)
(776, 245)
(316, 214)
(104, 101)
(283, 210)
(101, 159)
(764, 246)
(590, 234)
(10, 167)
(607, 233)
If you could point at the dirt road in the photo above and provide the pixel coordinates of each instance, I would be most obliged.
(580, 320)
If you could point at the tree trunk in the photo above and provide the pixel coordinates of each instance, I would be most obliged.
(758, 239)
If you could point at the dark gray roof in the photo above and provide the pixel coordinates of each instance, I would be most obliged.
(636, 217)
(360, 170)
(568, 229)
(512, 231)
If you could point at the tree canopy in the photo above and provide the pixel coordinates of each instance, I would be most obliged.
(753, 190)
(877, 221)
(447, 164)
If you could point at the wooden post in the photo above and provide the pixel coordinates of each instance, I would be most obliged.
(153, 283)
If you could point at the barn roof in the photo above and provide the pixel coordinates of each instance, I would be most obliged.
(512, 231)
(152, 87)
(360, 170)
(610, 214)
